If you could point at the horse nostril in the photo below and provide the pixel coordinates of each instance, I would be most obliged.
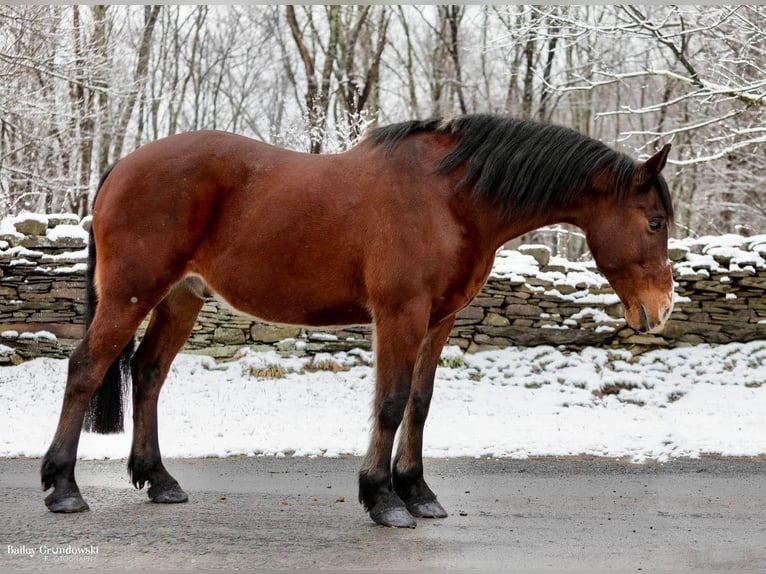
(666, 313)
(645, 325)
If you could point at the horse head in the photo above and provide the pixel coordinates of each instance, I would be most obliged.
(627, 234)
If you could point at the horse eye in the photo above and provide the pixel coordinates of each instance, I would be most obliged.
(655, 225)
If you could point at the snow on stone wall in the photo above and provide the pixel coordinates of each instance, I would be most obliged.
(531, 298)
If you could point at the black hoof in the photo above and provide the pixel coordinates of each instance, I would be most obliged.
(396, 517)
(68, 503)
(428, 509)
(167, 494)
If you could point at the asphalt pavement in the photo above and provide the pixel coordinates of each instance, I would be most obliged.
(287, 513)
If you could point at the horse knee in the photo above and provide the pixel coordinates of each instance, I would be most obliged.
(419, 405)
(80, 379)
(146, 378)
(391, 408)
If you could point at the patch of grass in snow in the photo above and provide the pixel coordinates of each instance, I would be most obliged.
(337, 363)
(675, 395)
(329, 365)
(270, 371)
(452, 361)
(614, 389)
(452, 357)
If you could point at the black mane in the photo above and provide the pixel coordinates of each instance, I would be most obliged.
(519, 164)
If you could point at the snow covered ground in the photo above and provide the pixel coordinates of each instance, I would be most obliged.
(516, 402)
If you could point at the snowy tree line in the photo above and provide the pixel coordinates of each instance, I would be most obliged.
(84, 85)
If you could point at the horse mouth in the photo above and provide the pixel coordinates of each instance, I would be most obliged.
(646, 326)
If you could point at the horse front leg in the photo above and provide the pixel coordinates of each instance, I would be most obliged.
(397, 341)
(408, 479)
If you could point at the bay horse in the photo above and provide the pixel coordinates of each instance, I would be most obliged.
(399, 231)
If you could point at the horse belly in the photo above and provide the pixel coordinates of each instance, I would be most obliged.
(292, 308)
(282, 287)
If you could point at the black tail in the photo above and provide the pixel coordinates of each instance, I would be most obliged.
(106, 410)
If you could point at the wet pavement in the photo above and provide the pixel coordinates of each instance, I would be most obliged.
(302, 513)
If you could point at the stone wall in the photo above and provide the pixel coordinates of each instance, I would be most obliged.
(531, 298)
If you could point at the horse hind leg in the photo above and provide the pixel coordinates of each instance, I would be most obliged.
(112, 329)
(169, 328)
(407, 474)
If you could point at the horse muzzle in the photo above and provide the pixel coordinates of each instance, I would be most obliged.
(649, 318)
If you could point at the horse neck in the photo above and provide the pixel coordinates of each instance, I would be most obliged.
(499, 227)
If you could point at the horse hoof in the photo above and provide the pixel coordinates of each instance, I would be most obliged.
(427, 509)
(66, 504)
(167, 494)
(396, 517)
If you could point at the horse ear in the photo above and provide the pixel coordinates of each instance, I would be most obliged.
(652, 167)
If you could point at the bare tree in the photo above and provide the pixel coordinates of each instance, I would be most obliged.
(139, 79)
(452, 15)
(47, 108)
(82, 85)
(363, 39)
(707, 66)
(317, 99)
